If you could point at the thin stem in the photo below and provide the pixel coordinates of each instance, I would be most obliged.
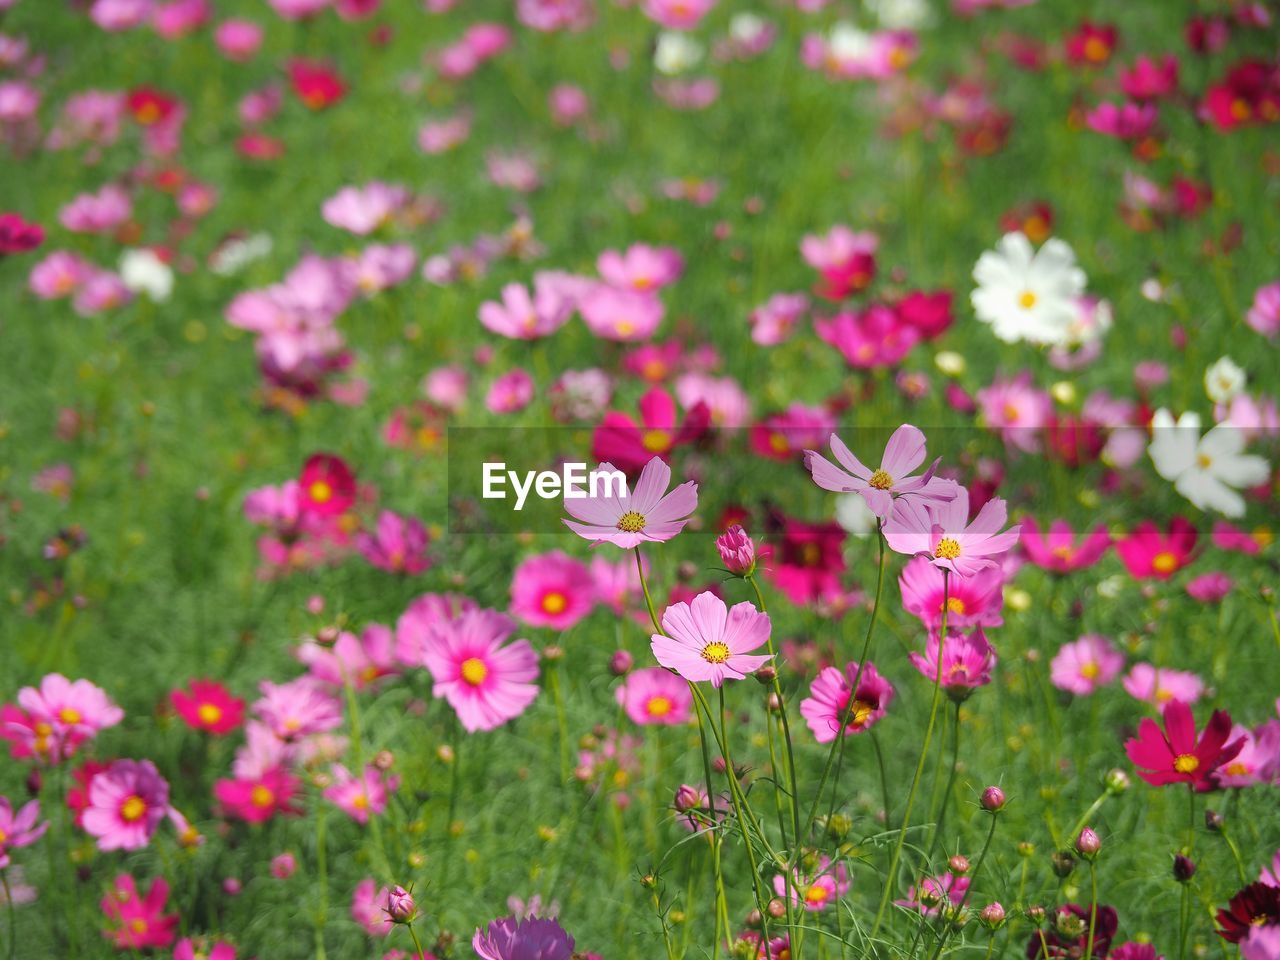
(1093, 908)
(417, 947)
(322, 871)
(892, 877)
(761, 903)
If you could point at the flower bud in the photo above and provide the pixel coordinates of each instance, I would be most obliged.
(1212, 820)
(400, 905)
(1183, 868)
(777, 909)
(620, 663)
(838, 826)
(1063, 863)
(1116, 781)
(1088, 843)
(1026, 849)
(1035, 914)
(687, 798)
(384, 760)
(551, 653)
(992, 915)
(958, 865)
(993, 799)
(283, 866)
(754, 920)
(767, 674)
(1069, 925)
(737, 551)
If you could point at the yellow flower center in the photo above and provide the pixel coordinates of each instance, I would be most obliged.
(861, 713)
(320, 492)
(262, 796)
(881, 480)
(3, 836)
(554, 602)
(947, 549)
(956, 605)
(360, 801)
(138, 926)
(1027, 299)
(810, 555)
(70, 716)
(656, 441)
(658, 706)
(1204, 461)
(816, 894)
(1164, 562)
(133, 809)
(1096, 50)
(1237, 770)
(1186, 763)
(209, 713)
(778, 443)
(631, 522)
(474, 671)
(716, 652)
(1089, 670)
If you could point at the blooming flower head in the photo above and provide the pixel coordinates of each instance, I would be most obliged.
(1027, 294)
(484, 681)
(1157, 687)
(397, 544)
(530, 938)
(523, 315)
(327, 487)
(135, 922)
(640, 267)
(368, 907)
(620, 440)
(828, 702)
(1056, 549)
(1148, 552)
(645, 513)
(705, 640)
(814, 887)
(1207, 470)
(1017, 410)
(654, 696)
(1210, 587)
(127, 802)
(298, 708)
(971, 601)
(207, 705)
(806, 561)
(18, 829)
(941, 530)
(201, 949)
(967, 661)
(62, 714)
(1258, 757)
(1081, 667)
(904, 453)
(552, 590)
(256, 799)
(933, 892)
(413, 629)
(361, 797)
(1175, 754)
(357, 660)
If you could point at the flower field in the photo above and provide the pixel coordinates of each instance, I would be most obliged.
(657, 479)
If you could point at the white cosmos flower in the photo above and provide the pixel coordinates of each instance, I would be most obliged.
(901, 14)
(745, 27)
(846, 43)
(676, 53)
(1028, 294)
(142, 271)
(1224, 380)
(853, 514)
(1206, 470)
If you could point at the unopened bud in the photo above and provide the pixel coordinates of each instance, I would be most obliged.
(400, 905)
(1183, 868)
(992, 916)
(1088, 843)
(993, 799)
(1212, 820)
(620, 663)
(1116, 781)
(767, 674)
(1063, 863)
(958, 865)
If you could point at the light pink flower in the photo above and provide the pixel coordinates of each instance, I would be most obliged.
(654, 696)
(362, 210)
(942, 532)
(622, 315)
(298, 708)
(20, 829)
(815, 889)
(413, 629)
(1158, 686)
(127, 803)
(1016, 410)
(640, 267)
(1081, 667)
(484, 681)
(359, 660)
(362, 797)
(705, 640)
(967, 661)
(368, 908)
(677, 14)
(510, 393)
(527, 316)
(99, 212)
(645, 513)
(238, 40)
(903, 454)
(776, 320)
(66, 712)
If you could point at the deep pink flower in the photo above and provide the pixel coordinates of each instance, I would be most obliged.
(621, 441)
(874, 337)
(397, 544)
(18, 235)
(783, 436)
(1176, 754)
(135, 922)
(207, 705)
(1210, 587)
(903, 454)
(1128, 121)
(967, 661)
(552, 590)
(845, 260)
(531, 938)
(816, 888)
(1149, 79)
(484, 681)
(941, 530)
(20, 829)
(645, 513)
(806, 561)
(188, 949)
(654, 696)
(1149, 552)
(1056, 550)
(368, 907)
(828, 701)
(705, 640)
(127, 803)
(258, 799)
(972, 601)
(413, 629)
(1081, 667)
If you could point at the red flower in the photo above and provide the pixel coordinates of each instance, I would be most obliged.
(1092, 44)
(327, 487)
(317, 85)
(208, 706)
(928, 313)
(150, 106)
(628, 445)
(17, 235)
(1256, 905)
(1175, 755)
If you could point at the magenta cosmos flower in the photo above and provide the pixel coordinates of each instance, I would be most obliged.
(816, 888)
(189, 949)
(645, 513)
(1085, 665)
(941, 531)
(967, 662)
(127, 802)
(486, 683)
(360, 797)
(530, 938)
(1057, 551)
(1176, 754)
(135, 922)
(552, 590)
(705, 640)
(828, 701)
(20, 829)
(974, 601)
(653, 696)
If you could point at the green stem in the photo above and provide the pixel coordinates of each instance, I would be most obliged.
(1093, 908)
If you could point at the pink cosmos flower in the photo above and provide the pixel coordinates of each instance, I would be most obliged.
(1057, 551)
(359, 660)
(903, 454)
(568, 104)
(941, 531)
(645, 513)
(640, 267)
(58, 275)
(806, 561)
(1016, 410)
(1157, 686)
(413, 629)
(1264, 314)
(973, 601)
(1149, 79)
(1085, 665)
(874, 337)
(398, 544)
(677, 14)
(1176, 754)
(117, 15)
(368, 907)
(777, 319)
(484, 681)
(66, 713)
(816, 888)
(135, 922)
(101, 290)
(188, 949)
(782, 436)
(207, 705)
(617, 584)
(552, 590)
(99, 212)
(238, 40)
(1149, 552)
(845, 260)
(381, 266)
(361, 797)
(256, 799)
(20, 829)
(1255, 761)
(727, 404)
(705, 640)
(362, 210)
(510, 393)
(1126, 121)
(298, 708)
(527, 316)
(1210, 587)
(967, 661)
(932, 892)
(531, 938)
(623, 315)
(654, 696)
(828, 701)
(127, 802)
